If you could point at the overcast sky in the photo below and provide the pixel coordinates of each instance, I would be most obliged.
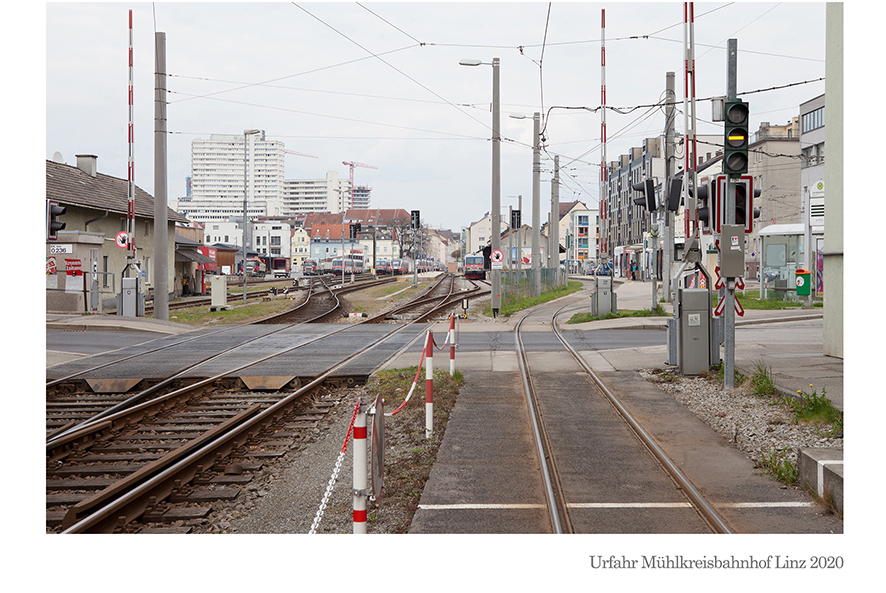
(380, 84)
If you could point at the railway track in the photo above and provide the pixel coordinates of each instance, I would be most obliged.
(583, 434)
(122, 463)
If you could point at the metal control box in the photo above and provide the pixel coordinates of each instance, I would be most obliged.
(130, 301)
(694, 331)
(732, 251)
(603, 297)
(219, 289)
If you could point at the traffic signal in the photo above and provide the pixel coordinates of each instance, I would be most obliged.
(706, 206)
(516, 220)
(647, 200)
(735, 153)
(355, 230)
(416, 222)
(53, 224)
(675, 194)
(744, 203)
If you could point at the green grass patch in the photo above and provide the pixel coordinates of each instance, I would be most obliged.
(238, 314)
(515, 301)
(750, 300)
(585, 317)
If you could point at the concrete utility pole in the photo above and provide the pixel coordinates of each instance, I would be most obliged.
(667, 227)
(536, 203)
(496, 183)
(729, 206)
(161, 234)
(554, 230)
(668, 254)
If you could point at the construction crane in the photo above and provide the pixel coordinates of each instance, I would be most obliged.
(298, 153)
(352, 164)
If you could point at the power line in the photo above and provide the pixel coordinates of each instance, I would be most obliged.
(378, 57)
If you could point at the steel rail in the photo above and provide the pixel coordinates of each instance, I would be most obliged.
(55, 382)
(555, 500)
(136, 497)
(705, 510)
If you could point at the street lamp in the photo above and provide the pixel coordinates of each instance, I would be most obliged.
(246, 133)
(340, 192)
(496, 176)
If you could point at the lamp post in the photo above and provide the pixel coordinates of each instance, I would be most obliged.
(246, 134)
(496, 176)
(340, 192)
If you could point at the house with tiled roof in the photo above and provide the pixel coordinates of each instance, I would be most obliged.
(96, 207)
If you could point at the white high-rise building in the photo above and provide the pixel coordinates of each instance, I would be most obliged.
(220, 171)
(301, 196)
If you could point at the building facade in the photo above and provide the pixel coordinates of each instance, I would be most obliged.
(330, 194)
(84, 265)
(226, 165)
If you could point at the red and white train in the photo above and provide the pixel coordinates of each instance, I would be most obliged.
(474, 267)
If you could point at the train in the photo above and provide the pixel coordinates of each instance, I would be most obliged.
(350, 265)
(310, 267)
(382, 267)
(474, 268)
(401, 266)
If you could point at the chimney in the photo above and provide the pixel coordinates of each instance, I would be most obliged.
(86, 163)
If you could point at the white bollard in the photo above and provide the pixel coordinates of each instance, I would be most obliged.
(429, 386)
(360, 473)
(451, 345)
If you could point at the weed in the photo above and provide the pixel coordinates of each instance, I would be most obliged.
(775, 463)
(761, 381)
(719, 373)
(812, 408)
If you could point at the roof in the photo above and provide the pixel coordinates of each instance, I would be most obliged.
(185, 255)
(787, 229)
(379, 216)
(566, 207)
(70, 186)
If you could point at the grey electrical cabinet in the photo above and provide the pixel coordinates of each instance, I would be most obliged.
(130, 301)
(603, 297)
(694, 331)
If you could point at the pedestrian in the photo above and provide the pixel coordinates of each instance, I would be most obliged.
(633, 271)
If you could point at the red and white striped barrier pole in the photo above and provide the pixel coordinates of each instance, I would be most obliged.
(451, 345)
(360, 473)
(429, 386)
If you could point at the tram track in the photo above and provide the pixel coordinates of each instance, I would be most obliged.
(563, 498)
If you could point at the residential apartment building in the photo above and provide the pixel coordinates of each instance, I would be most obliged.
(480, 233)
(226, 165)
(579, 228)
(271, 238)
(331, 194)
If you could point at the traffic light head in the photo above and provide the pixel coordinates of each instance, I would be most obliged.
(745, 213)
(416, 223)
(706, 206)
(516, 219)
(647, 200)
(735, 141)
(53, 224)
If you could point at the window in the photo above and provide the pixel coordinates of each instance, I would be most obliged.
(813, 120)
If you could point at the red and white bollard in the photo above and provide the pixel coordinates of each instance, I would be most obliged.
(429, 385)
(451, 345)
(360, 475)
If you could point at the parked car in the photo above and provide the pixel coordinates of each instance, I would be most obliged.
(603, 270)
